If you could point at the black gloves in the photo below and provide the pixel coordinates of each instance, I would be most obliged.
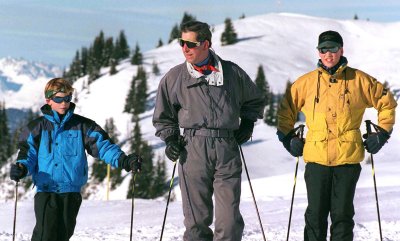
(132, 162)
(175, 145)
(245, 131)
(375, 140)
(293, 143)
(18, 171)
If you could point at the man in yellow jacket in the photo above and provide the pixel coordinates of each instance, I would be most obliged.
(333, 99)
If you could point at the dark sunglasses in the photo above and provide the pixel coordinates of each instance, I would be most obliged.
(330, 49)
(59, 99)
(188, 43)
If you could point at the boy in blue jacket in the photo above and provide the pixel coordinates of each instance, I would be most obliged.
(52, 150)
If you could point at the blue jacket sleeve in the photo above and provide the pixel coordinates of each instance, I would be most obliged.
(99, 145)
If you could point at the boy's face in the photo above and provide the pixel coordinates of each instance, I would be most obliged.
(62, 107)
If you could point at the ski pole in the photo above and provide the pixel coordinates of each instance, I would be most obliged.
(15, 208)
(133, 205)
(368, 125)
(169, 194)
(252, 193)
(301, 127)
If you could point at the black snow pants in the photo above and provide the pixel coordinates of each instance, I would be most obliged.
(55, 215)
(211, 165)
(330, 190)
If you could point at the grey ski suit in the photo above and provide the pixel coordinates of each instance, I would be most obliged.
(210, 163)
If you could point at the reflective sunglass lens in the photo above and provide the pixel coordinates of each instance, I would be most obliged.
(331, 49)
(59, 100)
(189, 44)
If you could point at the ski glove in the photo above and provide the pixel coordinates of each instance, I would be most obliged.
(175, 145)
(375, 140)
(18, 171)
(131, 162)
(245, 131)
(292, 143)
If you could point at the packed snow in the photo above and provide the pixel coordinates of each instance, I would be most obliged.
(285, 45)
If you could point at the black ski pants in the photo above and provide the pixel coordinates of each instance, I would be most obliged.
(55, 215)
(330, 190)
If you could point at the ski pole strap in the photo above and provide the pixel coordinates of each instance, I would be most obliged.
(368, 126)
(298, 131)
(377, 128)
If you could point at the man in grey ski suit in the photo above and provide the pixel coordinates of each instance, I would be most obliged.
(207, 96)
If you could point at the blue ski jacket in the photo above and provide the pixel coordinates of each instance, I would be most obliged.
(53, 150)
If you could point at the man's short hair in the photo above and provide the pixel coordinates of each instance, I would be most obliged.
(57, 85)
(202, 30)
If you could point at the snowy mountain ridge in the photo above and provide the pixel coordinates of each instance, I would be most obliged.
(21, 80)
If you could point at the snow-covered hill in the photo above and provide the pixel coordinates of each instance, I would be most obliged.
(285, 45)
(22, 82)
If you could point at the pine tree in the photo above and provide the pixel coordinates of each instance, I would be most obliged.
(113, 67)
(229, 35)
(150, 182)
(121, 50)
(135, 102)
(84, 61)
(187, 17)
(160, 176)
(130, 98)
(93, 70)
(123, 45)
(108, 52)
(155, 68)
(140, 147)
(273, 107)
(5, 138)
(137, 58)
(175, 33)
(30, 115)
(262, 83)
(270, 113)
(141, 93)
(160, 43)
(98, 50)
(75, 71)
(99, 168)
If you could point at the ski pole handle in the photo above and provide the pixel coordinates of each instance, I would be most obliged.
(301, 132)
(368, 125)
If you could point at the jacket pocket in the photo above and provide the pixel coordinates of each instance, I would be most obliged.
(71, 143)
(315, 147)
(351, 149)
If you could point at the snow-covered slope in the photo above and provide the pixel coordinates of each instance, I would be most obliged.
(285, 45)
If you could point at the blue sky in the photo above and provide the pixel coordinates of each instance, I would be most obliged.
(51, 31)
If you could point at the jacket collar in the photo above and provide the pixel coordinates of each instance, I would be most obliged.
(53, 116)
(337, 70)
(215, 78)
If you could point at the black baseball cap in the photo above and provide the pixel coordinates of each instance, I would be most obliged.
(329, 39)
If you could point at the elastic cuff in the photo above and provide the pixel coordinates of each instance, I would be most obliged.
(121, 159)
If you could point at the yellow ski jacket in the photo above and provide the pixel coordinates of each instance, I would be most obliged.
(334, 106)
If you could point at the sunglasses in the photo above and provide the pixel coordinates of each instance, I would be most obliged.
(188, 43)
(330, 49)
(59, 99)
